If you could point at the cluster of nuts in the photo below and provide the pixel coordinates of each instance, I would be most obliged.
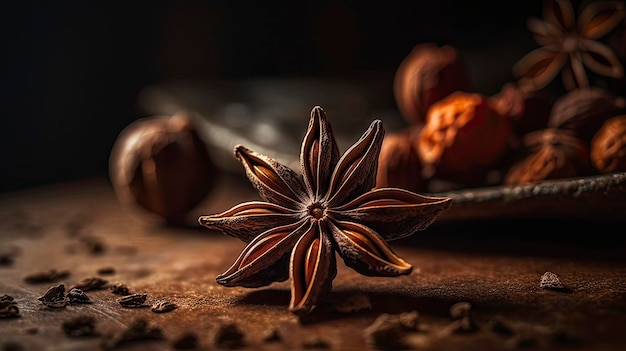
(459, 138)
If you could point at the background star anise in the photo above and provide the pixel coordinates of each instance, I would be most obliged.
(332, 208)
(569, 44)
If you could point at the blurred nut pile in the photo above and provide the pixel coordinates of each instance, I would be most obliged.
(535, 128)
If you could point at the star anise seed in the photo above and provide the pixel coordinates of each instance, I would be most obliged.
(331, 208)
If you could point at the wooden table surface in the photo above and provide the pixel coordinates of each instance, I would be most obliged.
(495, 266)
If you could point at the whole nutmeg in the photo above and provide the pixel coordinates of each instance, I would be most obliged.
(585, 110)
(398, 163)
(426, 75)
(608, 146)
(463, 139)
(160, 167)
(549, 154)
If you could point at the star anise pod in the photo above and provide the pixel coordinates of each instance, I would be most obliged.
(331, 208)
(550, 153)
(569, 44)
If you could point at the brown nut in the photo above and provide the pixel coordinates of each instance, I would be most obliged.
(549, 154)
(428, 74)
(608, 146)
(463, 139)
(398, 163)
(584, 110)
(162, 167)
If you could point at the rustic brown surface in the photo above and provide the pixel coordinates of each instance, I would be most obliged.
(496, 265)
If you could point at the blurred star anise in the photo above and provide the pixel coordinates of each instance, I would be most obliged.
(550, 153)
(569, 44)
(331, 208)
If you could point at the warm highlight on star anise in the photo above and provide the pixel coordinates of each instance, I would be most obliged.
(569, 44)
(331, 208)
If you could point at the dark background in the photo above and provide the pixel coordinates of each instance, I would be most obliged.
(73, 69)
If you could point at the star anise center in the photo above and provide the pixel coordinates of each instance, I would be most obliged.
(570, 43)
(316, 210)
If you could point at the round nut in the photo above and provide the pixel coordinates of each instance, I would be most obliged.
(608, 146)
(398, 163)
(162, 167)
(463, 139)
(428, 74)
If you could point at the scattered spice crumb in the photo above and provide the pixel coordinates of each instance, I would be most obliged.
(119, 288)
(500, 327)
(8, 254)
(462, 319)
(80, 326)
(551, 281)
(272, 335)
(91, 283)
(8, 307)
(187, 341)
(47, 276)
(77, 296)
(163, 306)
(106, 271)
(133, 300)
(390, 331)
(229, 336)
(54, 297)
(138, 330)
(92, 244)
(31, 331)
(354, 303)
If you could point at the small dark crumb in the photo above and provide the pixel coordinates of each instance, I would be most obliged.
(92, 244)
(552, 281)
(272, 335)
(106, 271)
(315, 343)
(500, 327)
(80, 326)
(460, 310)
(163, 306)
(388, 331)
(8, 254)
(119, 288)
(133, 301)
(31, 331)
(12, 346)
(138, 330)
(54, 297)
(409, 320)
(77, 296)
(187, 341)
(462, 319)
(47, 276)
(91, 283)
(6, 298)
(229, 337)
(8, 307)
